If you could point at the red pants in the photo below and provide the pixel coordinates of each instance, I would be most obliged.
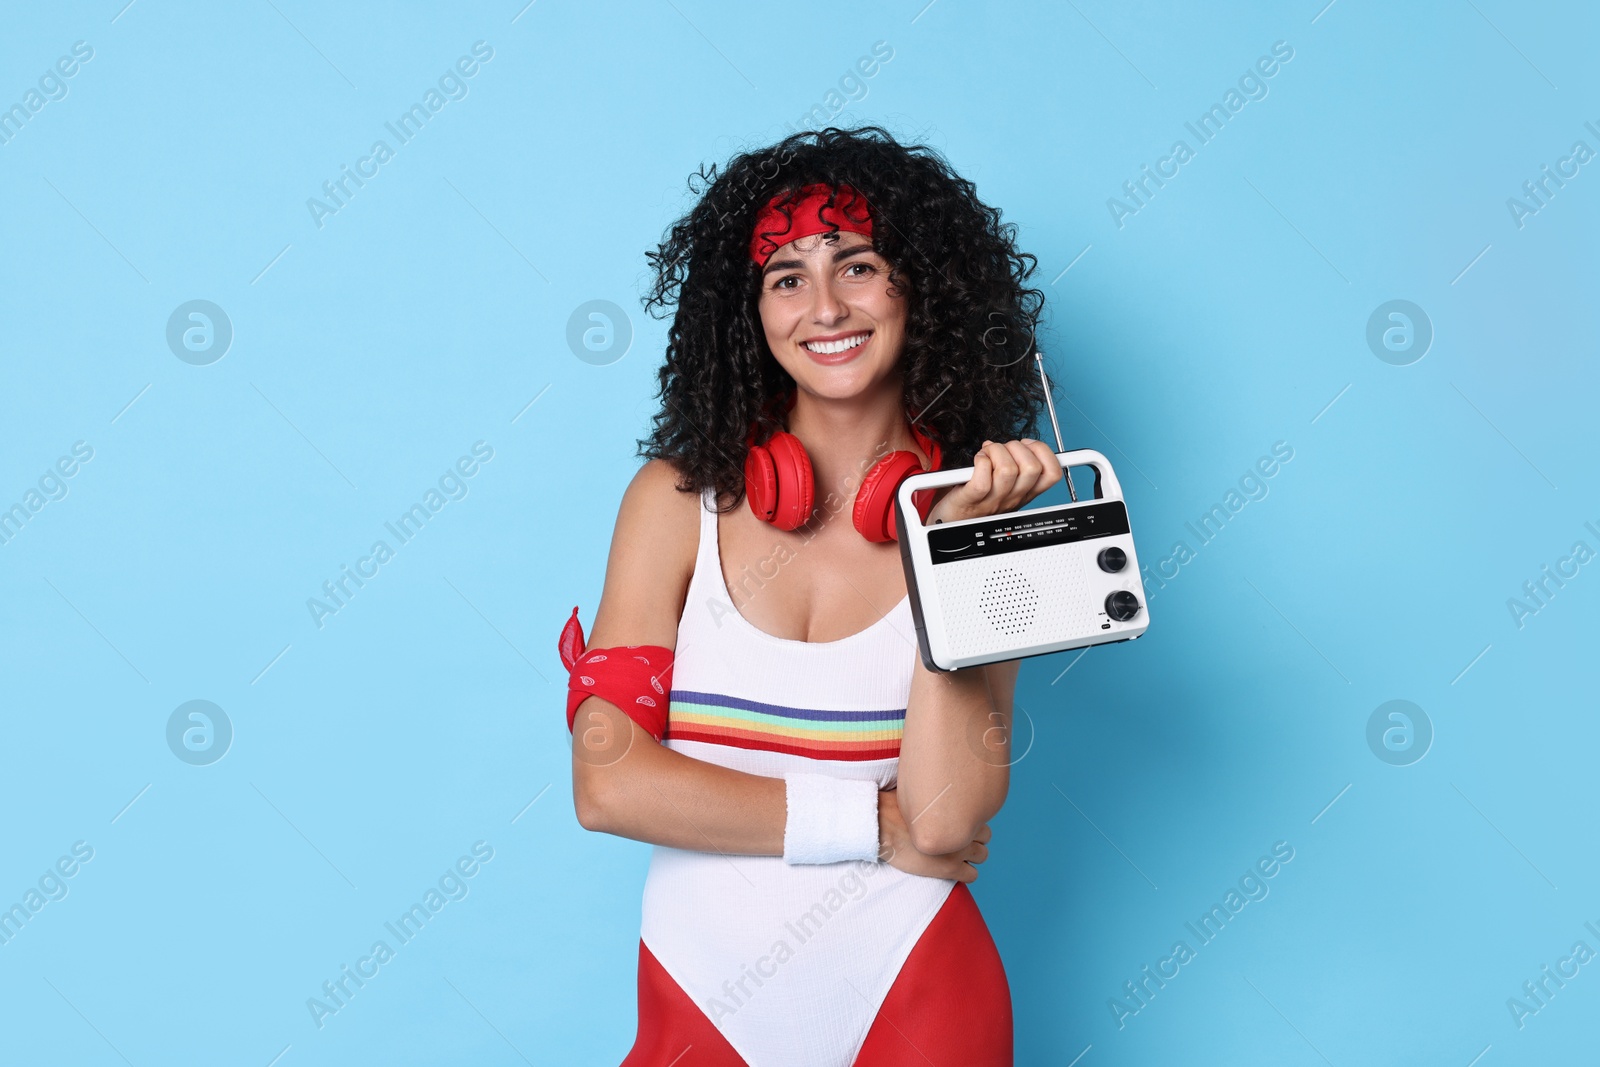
(949, 1006)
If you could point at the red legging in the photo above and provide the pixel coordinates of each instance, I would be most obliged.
(950, 1006)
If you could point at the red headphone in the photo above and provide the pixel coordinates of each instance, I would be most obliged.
(777, 482)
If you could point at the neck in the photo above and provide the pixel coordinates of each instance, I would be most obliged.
(845, 437)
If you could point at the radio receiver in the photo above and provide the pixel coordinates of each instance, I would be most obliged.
(1024, 583)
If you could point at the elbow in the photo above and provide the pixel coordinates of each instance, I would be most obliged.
(934, 837)
(939, 833)
(589, 804)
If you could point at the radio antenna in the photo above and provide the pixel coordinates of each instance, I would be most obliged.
(1055, 428)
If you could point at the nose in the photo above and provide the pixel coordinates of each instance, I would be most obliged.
(829, 308)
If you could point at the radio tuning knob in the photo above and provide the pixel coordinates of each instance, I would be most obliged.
(1122, 605)
(1112, 559)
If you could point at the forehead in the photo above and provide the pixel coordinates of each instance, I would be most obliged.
(823, 245)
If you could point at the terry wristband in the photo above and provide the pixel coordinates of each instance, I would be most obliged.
(829, 819)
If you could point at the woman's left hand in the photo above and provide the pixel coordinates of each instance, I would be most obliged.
(1004, 477)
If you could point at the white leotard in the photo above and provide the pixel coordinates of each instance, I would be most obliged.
(789, 962)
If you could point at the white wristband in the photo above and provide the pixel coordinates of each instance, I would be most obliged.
(829, 819)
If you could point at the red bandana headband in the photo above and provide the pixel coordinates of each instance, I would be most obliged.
(790, 216)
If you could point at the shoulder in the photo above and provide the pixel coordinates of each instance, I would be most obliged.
(658, 523)
(652, 557)
(654, 502)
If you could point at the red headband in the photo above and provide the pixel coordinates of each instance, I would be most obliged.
(790, 216)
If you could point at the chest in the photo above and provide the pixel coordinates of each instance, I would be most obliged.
(820, 583)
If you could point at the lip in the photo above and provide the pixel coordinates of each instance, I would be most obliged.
(836, 358)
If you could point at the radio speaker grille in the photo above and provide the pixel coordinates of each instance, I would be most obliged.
(1009, 601)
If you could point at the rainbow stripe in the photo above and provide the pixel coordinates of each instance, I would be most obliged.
(819, 734)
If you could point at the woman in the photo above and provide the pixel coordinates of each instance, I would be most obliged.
(847, 312)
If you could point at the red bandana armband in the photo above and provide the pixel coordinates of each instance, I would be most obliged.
(636, 678)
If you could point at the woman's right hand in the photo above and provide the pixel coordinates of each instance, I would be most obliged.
(895, 848)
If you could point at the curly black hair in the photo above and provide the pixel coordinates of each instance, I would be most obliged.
(970, 318)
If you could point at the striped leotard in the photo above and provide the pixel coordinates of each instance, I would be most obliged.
(747, 959)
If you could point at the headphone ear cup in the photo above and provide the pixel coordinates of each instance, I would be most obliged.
(873, 514)
(793, 498)
(760, 482)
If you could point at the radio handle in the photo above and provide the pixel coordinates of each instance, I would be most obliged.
(1105, 479)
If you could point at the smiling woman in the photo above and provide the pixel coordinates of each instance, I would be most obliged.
(844, 304)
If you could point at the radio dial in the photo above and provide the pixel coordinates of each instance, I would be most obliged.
(1122, 605)
(1112, 559)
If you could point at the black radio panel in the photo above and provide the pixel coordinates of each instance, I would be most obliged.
(1031, 529)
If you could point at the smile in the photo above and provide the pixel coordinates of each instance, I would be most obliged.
(830, 348)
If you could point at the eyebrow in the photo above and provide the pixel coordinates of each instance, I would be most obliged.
(843, 253)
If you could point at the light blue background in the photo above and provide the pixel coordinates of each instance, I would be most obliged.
(371, 352)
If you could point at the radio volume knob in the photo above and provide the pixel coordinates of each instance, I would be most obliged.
(1112, 559)
(1122, 605)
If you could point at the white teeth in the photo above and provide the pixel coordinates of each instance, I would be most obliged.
(829, 348)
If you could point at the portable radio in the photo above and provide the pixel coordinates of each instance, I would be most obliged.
(1023, 583)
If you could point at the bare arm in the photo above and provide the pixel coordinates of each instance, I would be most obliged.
(955, 753)
(623, 781)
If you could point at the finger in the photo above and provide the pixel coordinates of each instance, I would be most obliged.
(984, 833)
(1049, 468)
(1005, 469)
(1028, 470)
(968, 495)
(976, 853)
